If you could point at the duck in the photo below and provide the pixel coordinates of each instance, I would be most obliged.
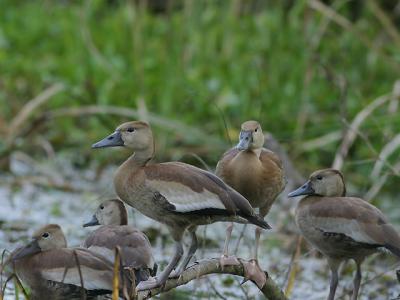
(256, 173)
(135, 247)
(51, 271)
(178, 195)
(341, 227)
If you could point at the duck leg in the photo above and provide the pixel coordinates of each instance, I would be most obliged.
(162, 278)
(357, 281)
(225, 259)
(192, 249)
(334, 265)
(252, 269)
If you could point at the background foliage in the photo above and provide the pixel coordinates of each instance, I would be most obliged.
(304, 69)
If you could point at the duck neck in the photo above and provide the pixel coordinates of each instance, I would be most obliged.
(140, 158)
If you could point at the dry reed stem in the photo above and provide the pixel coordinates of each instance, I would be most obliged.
(28, 109)
(353, 129)
(386, 151)
(293, 267)
(115, 292)
(385, 21)
(83, 293)
(346, 24)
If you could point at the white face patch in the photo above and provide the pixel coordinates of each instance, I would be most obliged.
(184, 198)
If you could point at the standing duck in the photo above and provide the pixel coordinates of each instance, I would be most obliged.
(51, 271)
(176, 194)
(136, 251)
(253, 171)
(341, 227)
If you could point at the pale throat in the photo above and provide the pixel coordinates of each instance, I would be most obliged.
(257, 152)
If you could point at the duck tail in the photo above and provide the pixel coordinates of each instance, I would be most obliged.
(395, 250)
(391, 239)
(256, 220)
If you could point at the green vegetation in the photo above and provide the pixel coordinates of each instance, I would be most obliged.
(284, 63)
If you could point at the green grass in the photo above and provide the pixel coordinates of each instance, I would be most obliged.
(200, 59)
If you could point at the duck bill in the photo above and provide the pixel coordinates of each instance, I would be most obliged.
(305, 189)
(93, 222)
(245, 140)
(30, 249)
(113, 140)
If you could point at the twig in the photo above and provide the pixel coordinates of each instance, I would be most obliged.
(215, 290)
(83, 293)
(385, 21)
(240, 238)
(346, 24)
(379, 183)
(199, 159)
(245, 293)
(321, 141)
(212, 266)
(351, 133)
(366, 282)
(115, 284)
(221, 113)
(374, 151)
(19, 284)
(293, 267)
(387, 150)
(28, 110)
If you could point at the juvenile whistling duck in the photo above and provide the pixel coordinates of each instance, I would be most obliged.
(177, 194)
(253, 171)
(341, 227)
(52, 272)
(136, 251)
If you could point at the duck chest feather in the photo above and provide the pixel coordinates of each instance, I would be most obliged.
(257, 179)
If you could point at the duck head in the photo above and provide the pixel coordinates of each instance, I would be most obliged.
(109, 212)
(136, 135)
(46, 238)
(327, 182)
(251, 136)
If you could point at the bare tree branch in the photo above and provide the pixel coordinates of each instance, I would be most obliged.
(212, 266)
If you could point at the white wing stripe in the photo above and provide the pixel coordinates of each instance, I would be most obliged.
(351, 228)
(92, 279)
(184, 198)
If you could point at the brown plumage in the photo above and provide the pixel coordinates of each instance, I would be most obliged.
(253, 171)
(179, 195)
(341, 227)
(136, 251)
(51, 271)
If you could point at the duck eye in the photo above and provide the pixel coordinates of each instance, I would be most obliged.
(130, 129)
(45, 235)
(256, 130)
(101, 206)
(319, 177)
